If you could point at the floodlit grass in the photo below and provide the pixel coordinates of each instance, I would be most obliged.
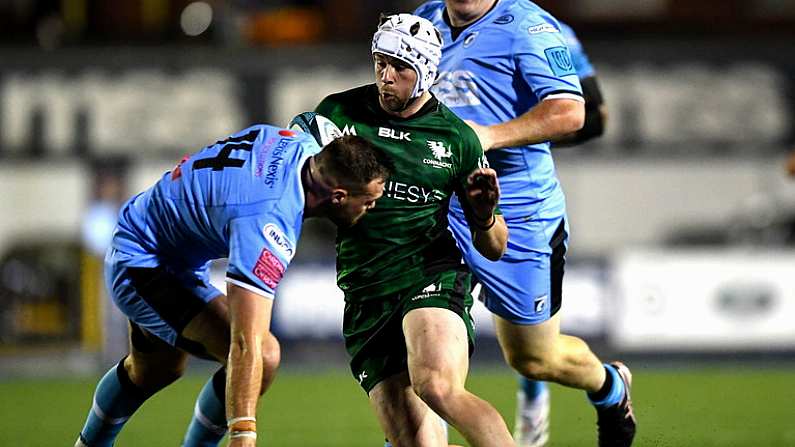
(675, 407)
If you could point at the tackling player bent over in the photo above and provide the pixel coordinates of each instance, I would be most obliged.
(244, 198)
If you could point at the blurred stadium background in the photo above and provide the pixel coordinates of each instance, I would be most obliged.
(683, 219)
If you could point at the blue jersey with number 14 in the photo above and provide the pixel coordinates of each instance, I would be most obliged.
(240, 198)
(498, 68)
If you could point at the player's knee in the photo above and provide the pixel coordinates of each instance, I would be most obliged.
(434, 390)
(532, 367)
(170, 374)
(154, 377)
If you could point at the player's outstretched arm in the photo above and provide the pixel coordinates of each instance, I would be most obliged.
(489, 232)
(548, 120)
(250, 318)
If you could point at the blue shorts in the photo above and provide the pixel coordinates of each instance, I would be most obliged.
(160, 299)
(525, 285)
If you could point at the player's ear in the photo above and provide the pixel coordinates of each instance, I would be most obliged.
(338, 196)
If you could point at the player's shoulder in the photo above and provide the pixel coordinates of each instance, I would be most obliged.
(346, 96)
(529, 14)
(343, 103)
(569, 35)
(267, 135)
(533, 26)
(256, 133)
(431, 10)
(566, 29)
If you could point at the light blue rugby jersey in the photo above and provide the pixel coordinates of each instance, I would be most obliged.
(497, 69)
(581, 62)
(240, 198)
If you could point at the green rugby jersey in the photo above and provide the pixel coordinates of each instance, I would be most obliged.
(403, 242)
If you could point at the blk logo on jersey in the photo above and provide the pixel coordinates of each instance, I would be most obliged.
(349, 130)
(394, 134)
(279, 240)
(560, 61)
(269, 269)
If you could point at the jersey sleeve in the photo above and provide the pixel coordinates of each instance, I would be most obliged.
(578, 57)
(544, 60)
(472, 157)
(426, 9)
(260, 248)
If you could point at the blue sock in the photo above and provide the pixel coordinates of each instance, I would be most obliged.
(612, 391)
(532, 388)
(208, 425)
(115, 400)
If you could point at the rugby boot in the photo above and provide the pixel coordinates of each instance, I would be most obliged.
(617, 422)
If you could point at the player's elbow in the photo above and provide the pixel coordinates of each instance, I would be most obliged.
(566, 116)
(573, 120)
(271, 358)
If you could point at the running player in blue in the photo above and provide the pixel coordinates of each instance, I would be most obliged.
(532, 398)
(243, 198)
(507, 70)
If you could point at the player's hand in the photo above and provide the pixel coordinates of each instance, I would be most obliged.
(483, 193)
(483, 133)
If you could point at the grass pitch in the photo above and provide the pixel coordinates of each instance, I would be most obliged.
(675, 407)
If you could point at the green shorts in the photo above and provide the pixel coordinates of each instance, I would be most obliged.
(373, 328)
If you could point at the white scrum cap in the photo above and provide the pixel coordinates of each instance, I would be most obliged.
(415, 41)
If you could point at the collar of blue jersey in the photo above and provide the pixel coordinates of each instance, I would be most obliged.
(456, 31)
(372, 101)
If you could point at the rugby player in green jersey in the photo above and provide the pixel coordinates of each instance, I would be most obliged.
(407, 325)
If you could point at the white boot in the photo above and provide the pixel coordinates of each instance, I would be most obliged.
(532, 420)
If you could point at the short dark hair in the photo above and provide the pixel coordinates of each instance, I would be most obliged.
(353, 162)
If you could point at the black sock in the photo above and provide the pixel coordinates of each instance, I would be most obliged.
(605, 389)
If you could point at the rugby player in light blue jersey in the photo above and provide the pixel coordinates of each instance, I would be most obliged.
(532, 398)
(506, 69)
(243, 198)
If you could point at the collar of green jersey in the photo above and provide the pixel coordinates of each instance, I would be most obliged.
(372, 102)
